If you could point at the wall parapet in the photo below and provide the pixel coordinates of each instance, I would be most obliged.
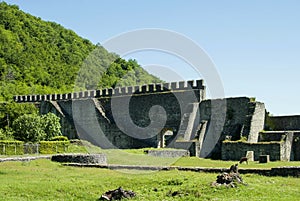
(119, 91)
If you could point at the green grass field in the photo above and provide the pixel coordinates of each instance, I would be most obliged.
(46, 180)
(138, 157)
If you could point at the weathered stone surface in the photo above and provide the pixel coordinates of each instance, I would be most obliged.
(133, 117)
(236, 150)
(168, 153)
(226, 117)
(284, 149)
(286, 171)
(255, 121)
(264, 158)
(80, 158)
(250, 155)
(281, 123)
(127, 120)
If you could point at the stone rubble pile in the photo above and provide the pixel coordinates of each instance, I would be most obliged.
(117, 194)
(230, 179)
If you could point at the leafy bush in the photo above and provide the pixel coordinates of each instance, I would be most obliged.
(2, 134)
(51, 125)
(52, 147)
(29, 128)
(6, 134)
(34, 128)
(11, 147)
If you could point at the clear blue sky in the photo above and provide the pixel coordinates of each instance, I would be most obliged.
(255, 45)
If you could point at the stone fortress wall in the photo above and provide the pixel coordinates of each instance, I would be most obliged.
(127, 117)
(175, 115)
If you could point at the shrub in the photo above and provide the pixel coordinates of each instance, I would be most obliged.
(11, 147)
(28, 128)
(34, 128)
(51, 125)
(2, 134)
(6, 134)
(52, 147)
(59, 138)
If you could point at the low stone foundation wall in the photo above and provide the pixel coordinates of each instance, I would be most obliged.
(24, 158)
(80, 158)
(279, 171)
(168, 153)
(286, 171)
(232, 150)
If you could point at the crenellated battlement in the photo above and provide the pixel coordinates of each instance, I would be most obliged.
(119, 91)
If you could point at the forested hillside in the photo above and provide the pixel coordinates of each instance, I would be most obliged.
(43, 57)
(39, 57)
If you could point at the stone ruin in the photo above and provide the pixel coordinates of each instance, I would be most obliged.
(173, 115)
(229, 179)
(117, 194)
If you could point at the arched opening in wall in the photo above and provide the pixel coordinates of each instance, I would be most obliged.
(164, 137)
